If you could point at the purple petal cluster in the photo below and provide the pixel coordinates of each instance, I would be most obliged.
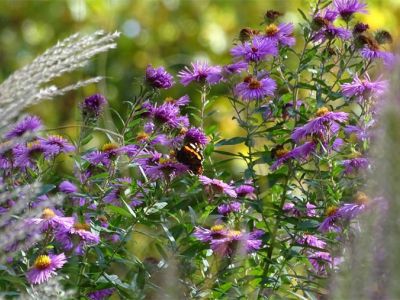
(227, 208)
(255, 50)
(167, 114)
(93, 105)
(196, 136)
(323, 126)
(159, 78)
(255, 89)
(282, 34)
(363, 89)
(202, 73)
(347, 8)
(45, 267)
(354, 164)
(29, 124)
(216, 186)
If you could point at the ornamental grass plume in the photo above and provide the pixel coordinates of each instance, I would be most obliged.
(372, 262)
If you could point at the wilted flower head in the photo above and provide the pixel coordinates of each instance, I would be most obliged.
(255, 50)
(44, 267)
(200, 72)
(93, 105)
(255, 89)
(347, 8)
(216, 186)
(28, 124)
(159, 78)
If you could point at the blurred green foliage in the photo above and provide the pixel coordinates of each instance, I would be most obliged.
(159, 32)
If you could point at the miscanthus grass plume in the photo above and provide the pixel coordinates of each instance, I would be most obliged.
(156, 210)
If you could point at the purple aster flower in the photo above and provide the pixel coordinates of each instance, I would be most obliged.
(354, 164)
(283, 33)
(349, 211)
(159, 78)
(363, 89)
(101, 294)
(291, 210)
(108, 153)
(55, 145)
(130, 150)
(236, 241)
(347, 8)
(182, 101)
(207, 235)
(255, 50)
(322, 126)
(201, 72)
(255, 89)
(29, 124)
(51, 221)
(167, 113)
(373, 52)
(322, 262)
(44, 267)
(77, 237)
(216, 186)
(93, 105)
(234, 68)
(26, 156)
(227, 208)
(196, 136)
(356, 131)
(67, 187)
(161, 139)
(165, 168)
(329, 223)
(310, 210)
(246, 191)
(311, 240)
(330, 32)
(300, 153)
(328, 14)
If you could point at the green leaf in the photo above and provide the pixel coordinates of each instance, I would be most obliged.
(118, 210)
(232, 141)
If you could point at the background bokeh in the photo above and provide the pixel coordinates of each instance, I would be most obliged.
(159, 32)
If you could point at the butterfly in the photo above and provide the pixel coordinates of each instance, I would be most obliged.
(191, 155)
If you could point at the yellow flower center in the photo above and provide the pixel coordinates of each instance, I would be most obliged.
(361, 198)
(42, 262)
(322, 112)
(169, 100)
(109, 146)
(183, 130)
(30, 145)
(217, 228)
(271, 29)
(142, 136)
(48, 213)
(331, 210)
(281, 152)
(254, 84)
(234, 233)
(82, 226)
(102, 218)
